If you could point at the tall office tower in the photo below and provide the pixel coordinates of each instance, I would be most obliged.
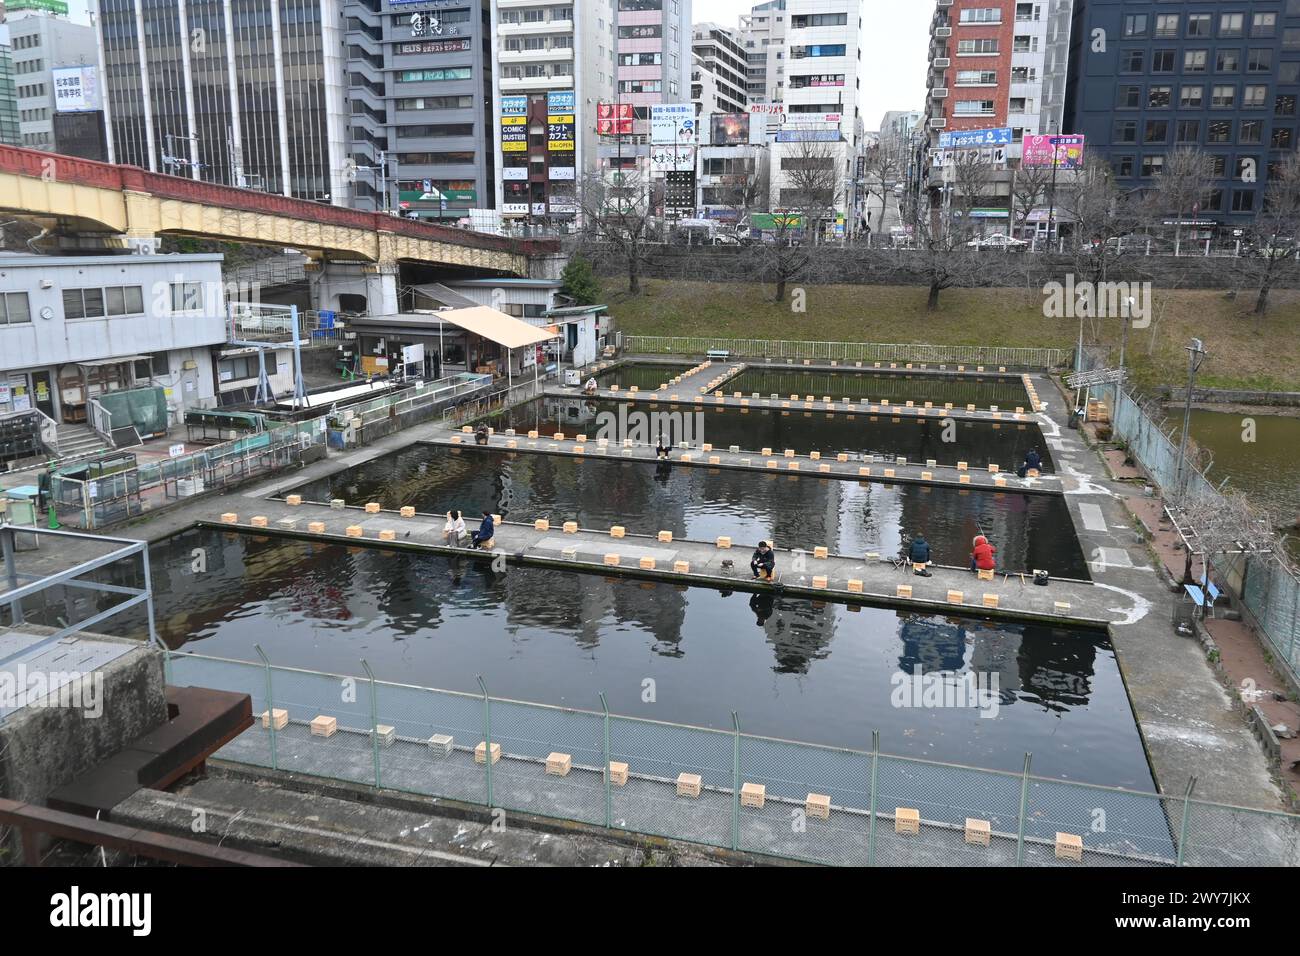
(241, 92)
(762, 34)
(554, 65)
(44, 41)
(419, 90)
(1222, 77)
(718, 53)
(9, 131)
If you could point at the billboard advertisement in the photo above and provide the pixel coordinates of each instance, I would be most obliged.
(1063, 152)
(76, 89)
(809, 136)
(514, 124)
(614, 119)
(665, 159)
(560, 122)
(729, 129)
(673, 124)
(975, 138)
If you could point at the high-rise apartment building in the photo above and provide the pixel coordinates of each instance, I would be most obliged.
(555, 62)
(9, 132)
(998, 63)
(419, 84)
(1222, 77)
(762, 34)
(823, 65)
(43, 39)
(719, 53)
(241, 92)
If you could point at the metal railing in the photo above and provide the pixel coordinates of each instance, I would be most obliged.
(988, 356)
(1267, 588)
(753, 794)
(498, 400)
(100, 420)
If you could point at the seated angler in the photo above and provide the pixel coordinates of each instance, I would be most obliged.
(486, 531)
(919, 555)
(1033, 462)
(981, 558)
(763, 562)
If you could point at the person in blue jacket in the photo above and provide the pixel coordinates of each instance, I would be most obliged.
(486, 531)
(919, 553)
(1032, 461)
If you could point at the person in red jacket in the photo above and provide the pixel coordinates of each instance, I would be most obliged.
(981, 558)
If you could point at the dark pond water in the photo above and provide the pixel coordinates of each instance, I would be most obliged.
(792, 668)
(878, 386)
(642, 376)
(979, 443)
(1030, 531)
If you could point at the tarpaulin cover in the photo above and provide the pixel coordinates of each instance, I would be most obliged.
(145, 408)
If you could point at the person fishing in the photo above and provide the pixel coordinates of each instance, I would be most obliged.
(453, 532)
(661, 448)
(590, 387)
(1033, 462)
(919, 555)
(763, 562)
(981, 557)
(486, 531)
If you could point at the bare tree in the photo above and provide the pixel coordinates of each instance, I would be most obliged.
(1215, 525)
(1029, 187)
(1102, 215)
(942, 237)
(783, 256)
(1179, 189)
(812, 183)
(883, 166)
(1275, 231)
(618, 208)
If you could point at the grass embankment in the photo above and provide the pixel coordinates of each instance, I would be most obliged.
(1244, 353)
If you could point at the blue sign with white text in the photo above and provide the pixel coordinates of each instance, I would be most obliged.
(975, 138)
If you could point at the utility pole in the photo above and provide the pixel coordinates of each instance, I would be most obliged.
(1195, 356)
(1051, 208)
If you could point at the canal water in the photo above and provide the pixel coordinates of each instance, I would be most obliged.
(978, 443)
(849, 517)
(644, 377)
(793, 668)
(1265, 468)
(875, 387)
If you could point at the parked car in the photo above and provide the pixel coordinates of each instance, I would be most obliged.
(998, 240)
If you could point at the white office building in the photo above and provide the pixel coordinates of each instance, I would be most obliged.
(762, 34)
(720, 67)
(42, 41)
(555, 62)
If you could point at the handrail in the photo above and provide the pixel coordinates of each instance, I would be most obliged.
(101, 420)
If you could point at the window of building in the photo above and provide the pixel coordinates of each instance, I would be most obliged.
(1259, 61)
(1263, 25)
(985, 47)
(1283, 137)
(1227, 61)
(1198, 24)
(1157, 131)
(1159, 97)
(1231, 24)
(1218, 165)
(1251, 131)
(1219, 131)
(1243, 200)
(1194, 61)
(1254, 97)
(1151, 165)
(187, 296)
(1131, 61)
(1130, 98)
(1288, 72)
(1191, 97)
(124, 300)
(1123, 166)
(83, 303)
(977, 78)
(154, 366)
(15, 309)
(1166, 25)
(1223, 97)
(1125, 131)
(1284, 104)
(1189, 131)
(1135, 25)
(981, 15)
(237, 368)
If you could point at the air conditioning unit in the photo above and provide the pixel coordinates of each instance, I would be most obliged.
(942, 32)
(939, 122)
(941, 63)
(939, 93)
(189, 365)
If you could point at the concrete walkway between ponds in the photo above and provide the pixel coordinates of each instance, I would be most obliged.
(843, 466)
(717, 564)
(1189, 725)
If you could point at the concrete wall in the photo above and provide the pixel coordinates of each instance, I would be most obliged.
(1229, 396)
(44, 748)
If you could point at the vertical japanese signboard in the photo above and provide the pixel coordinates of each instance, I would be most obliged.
(514, 124)
(560, 121)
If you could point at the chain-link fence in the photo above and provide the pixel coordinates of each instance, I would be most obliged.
(990, 356)
(724, 789)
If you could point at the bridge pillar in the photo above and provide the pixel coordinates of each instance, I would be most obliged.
(354, 287)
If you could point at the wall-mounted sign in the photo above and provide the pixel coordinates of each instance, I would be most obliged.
(514, 209)
(1064, 152)
(614, 119)
(808, 136)
(76, 89)
(673, 124)
(975, 138)
(176, 451)
(560, 121)
(562, 173)
(514, 174)
(729, 129)
(434, 46)
(670, 158)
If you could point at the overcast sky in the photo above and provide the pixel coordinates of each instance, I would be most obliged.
(895, 39)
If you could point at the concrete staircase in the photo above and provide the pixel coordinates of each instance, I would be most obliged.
(80, 441)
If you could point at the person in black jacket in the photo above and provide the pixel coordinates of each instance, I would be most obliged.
(763, 563)
(919, 553)
(1033, 461)
(486, 531)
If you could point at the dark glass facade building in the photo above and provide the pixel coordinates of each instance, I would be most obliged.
(239, 92)
(1151, 76)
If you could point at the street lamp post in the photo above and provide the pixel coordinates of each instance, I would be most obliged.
(1051, 207)
(1195, 357)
